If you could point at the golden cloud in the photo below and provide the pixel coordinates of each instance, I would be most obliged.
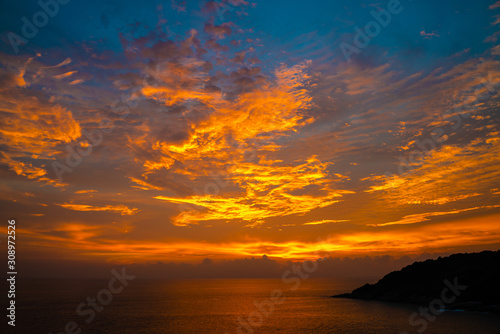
(252, 123)
(32, 129)
(269, 191)
(325, 221)
(91, 241)
(449, 174)
(122, 209)
(421, 217)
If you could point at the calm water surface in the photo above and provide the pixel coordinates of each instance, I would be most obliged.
(226, 306)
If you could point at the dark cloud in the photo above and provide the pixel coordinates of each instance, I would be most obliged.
(219, 31)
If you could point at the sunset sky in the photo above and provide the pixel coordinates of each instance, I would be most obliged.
(144, 131)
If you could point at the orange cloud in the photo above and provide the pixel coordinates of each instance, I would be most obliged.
(94, 242)
(143, 184)
(270, 190)
(267, 111)
(32, 129)
(85, 191)
(421, 217)
(251, 123)
(122, 209)
(65, 75)
(30, 171)
(321, 222)
(449, 174)
(37, 132)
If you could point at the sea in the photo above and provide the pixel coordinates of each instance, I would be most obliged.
(223, 306)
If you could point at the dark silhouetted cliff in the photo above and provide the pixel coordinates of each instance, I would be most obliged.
(473, 279)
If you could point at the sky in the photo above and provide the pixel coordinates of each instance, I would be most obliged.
(175, 131)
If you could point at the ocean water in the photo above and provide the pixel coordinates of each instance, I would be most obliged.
(225, 306)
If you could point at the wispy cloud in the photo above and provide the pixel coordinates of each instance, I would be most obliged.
(122, 209)
(452, 173)
(495, 5)
(421, 217)
(64, 75)
(320, 222)
(428, 35)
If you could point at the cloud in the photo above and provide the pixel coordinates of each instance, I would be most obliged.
(32, 127)
(253, 121)
(63, 63)
(255, 224)
(76, 82)
(179, 6)
(122, 209)
(85, 191)
(421, 217)
(428, 35)
(29, 170)
(65, 75)
(143, 184)
(220, 31)
(448, 174)
(359, 81)
(495, 50)
(320, 222)
(268, 191)
(87, 241)
(495, 5)
(35, 135)
(258, 159)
